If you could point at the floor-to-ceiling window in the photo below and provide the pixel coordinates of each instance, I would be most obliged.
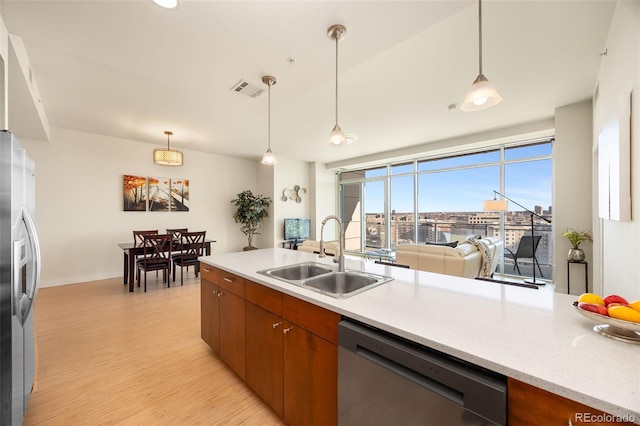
(440, 199)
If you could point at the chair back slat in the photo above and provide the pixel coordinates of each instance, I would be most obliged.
(157, 248)
(192, 245)
(138, 236)
(176, 233)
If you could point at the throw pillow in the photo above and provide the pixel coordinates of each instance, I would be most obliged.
(453, 244)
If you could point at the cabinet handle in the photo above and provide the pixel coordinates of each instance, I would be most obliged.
(288, 329)
(220, 294)
(229, 280)
(206, 270)
(215, 292)
(276, 324)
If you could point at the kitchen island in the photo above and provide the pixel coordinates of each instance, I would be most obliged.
(533, 336)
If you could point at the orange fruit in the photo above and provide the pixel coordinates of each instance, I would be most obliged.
(635, 305)
(624, 313)
(591, 298)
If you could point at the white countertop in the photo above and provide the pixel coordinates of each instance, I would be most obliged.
(534, 336)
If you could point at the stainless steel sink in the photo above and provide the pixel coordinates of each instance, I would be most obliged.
(344, 284)
(299, 271)
(324, 279)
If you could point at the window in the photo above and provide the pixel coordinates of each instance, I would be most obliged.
(440, 200)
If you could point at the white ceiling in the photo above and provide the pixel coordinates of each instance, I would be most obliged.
(130, 69)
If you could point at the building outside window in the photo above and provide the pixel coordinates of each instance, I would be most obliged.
(440, 199)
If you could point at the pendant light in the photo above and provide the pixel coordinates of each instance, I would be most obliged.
(482, 94)
(268, 157)
(167, 157)
(337, 136)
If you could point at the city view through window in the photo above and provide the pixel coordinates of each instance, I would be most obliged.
(441, 200)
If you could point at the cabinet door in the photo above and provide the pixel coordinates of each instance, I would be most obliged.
(310, 378)
(210, 314)
(264, 356)
(529, 405)
(232, 331)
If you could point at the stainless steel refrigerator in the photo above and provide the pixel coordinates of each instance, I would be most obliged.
(19, 278)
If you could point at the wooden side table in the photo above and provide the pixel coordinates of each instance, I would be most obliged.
(586, 274)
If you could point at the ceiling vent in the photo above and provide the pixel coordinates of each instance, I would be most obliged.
(247, 89)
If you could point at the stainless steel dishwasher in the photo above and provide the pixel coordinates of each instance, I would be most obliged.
(386, 380)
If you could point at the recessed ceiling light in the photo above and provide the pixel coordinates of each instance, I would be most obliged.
(167, 4)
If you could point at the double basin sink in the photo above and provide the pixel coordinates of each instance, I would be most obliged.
(326, 279)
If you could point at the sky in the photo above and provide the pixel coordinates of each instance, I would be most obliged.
(527, 183)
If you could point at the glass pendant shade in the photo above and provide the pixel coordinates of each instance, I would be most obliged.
(167, 4)
(481, 95)
(269, 158)
(337, 136)
(168, 156)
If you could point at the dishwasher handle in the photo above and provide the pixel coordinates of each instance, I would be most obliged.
(476, 389)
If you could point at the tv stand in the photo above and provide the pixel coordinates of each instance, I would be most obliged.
(291, 244)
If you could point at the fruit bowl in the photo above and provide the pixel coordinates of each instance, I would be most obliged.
(625, 331)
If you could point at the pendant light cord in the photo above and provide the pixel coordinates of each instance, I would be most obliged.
(269, 118)
(480, 35)
(337, 36)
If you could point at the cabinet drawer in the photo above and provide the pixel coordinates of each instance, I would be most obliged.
(317, 320)
(265, 297)
(209, 273)
(231, 283)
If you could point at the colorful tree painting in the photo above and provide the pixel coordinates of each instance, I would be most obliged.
(158, 194)
(135, 193)
(180, 195)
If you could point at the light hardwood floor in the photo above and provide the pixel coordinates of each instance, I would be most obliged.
(110, 357)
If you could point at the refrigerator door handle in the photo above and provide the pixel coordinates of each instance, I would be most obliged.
(26, 301)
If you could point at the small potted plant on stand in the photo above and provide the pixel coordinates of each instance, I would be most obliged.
(576, 254)
(251, 211)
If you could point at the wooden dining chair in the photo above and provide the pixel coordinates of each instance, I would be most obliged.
(176, 233)
(192, 247)
(138, 236)
(138, 241)
(156, 257)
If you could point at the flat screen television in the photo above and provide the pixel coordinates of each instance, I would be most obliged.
(297, 229)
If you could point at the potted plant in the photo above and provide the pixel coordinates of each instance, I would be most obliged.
(576, 238)
(251, 211)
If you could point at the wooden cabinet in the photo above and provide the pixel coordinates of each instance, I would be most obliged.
(223, 316)
(210, 307)
(292, 356)
(310, 378)
(310, 363)
(264, 356)
(529, 405)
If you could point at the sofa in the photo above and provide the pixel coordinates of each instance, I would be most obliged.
(464, 260)
(331, 248)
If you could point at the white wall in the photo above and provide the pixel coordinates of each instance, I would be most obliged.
(287, 174)
(572, 201)
(324, 200)
(617, 242)
(79, 201)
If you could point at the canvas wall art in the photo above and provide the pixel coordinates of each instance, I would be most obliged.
(155, 194)
(159, 197)
(180, 195)
(135, 193)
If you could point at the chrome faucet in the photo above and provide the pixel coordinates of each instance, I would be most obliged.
(340, 258)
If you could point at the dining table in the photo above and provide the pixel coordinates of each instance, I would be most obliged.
(131, 250)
